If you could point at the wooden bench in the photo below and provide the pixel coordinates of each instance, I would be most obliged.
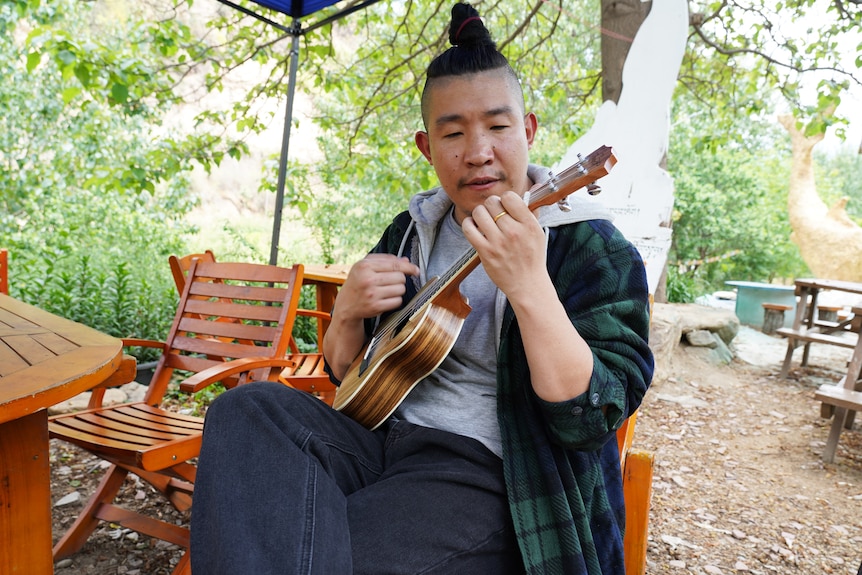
(844, 400)
(773, 317)
(808, 336)
(840, 396)
(844, 403)
(815, 337)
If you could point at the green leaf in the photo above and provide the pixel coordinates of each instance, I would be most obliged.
(33, 60)
(66, 57)
(70, 94)
(120, 93)
(82, 72)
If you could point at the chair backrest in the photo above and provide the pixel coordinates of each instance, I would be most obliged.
(180, 266)
(228, 311)
(4, 271)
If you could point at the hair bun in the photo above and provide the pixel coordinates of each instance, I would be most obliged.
(466, 29)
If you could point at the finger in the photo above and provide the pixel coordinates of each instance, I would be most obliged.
(388, 263)
(514, 205)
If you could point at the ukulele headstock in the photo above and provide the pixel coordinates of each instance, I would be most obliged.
(582, 173)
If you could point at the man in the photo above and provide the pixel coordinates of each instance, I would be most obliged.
(500, 461)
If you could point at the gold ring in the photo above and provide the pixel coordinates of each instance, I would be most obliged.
(500, 215)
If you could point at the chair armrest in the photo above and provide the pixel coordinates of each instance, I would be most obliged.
(129, 367)
(314, 313)
(135, 342)
(216, 373)
(125, 373)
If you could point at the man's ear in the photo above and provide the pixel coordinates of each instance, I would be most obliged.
(531, 124)
(424, 145)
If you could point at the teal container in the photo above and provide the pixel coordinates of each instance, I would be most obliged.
(750, 297)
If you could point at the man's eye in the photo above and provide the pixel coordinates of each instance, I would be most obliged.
(498, 128)
(452, 135)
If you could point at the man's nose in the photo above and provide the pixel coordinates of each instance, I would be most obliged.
(480, 150)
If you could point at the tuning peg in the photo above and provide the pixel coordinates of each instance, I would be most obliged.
(594, 189)
(580, 164)
(564, 205)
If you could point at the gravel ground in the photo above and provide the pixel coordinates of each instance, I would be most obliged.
(739, 485)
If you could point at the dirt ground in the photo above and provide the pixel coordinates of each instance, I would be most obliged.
(739, 486)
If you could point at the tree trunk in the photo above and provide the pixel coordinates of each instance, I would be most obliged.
(620, 22)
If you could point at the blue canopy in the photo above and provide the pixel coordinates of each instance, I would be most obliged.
(296, 8)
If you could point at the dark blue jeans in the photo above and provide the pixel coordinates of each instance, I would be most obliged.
(287, 485)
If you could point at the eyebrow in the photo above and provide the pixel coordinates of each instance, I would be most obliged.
(501, 111)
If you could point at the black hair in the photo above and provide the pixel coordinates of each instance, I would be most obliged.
(472, 51)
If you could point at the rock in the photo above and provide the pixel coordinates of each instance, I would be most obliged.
(671, 325)
(134, 391)
(720, 354)
(690, 317)
(73, 497)
(701, 338)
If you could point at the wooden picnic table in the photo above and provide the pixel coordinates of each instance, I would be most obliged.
(840, 400)
(808, 329)
(44, 359)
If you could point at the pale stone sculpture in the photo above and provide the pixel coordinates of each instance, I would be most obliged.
(638, 191)
(829, 242)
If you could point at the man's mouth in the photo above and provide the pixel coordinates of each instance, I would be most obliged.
(482, 182)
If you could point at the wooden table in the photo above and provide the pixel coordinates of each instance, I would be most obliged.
(808, 329)
(44, 359)
(840, 400)
(326, 278)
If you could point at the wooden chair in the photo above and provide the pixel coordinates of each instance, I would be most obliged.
(4, 271)
(637, 469)
(636, 466)
(156, 444)
(307, 373)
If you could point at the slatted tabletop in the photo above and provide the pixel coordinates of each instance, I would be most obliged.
(44, 359)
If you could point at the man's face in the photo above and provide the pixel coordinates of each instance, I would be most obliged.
(478, 137)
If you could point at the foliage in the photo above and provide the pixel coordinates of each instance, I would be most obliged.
(91, 189)
(93, 163)
(838, 175)
(366, 73)
(730, 213)
(745, 56)
(744, 59)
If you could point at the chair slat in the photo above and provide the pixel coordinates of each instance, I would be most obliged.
(244, 272)
(234, 310)
(228, 329)
(219, 348)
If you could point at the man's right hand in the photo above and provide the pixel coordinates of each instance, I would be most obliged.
(375, 284)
